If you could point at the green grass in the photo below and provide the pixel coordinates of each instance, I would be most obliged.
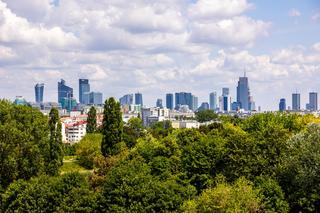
(70, 165)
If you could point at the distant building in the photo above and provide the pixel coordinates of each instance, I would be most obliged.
(235, 106)
(169, 101)
(184, 98)
(213, 100)
(225, 91)
(95, 98)
(65, 94)
(138, 99)
(159, 103)
(282, 105)
(313, 101)
(296, 102)
(243, 93)
(84, 87)
(154, 114)
(73, 131)
(38, 89)
(20, 101)
(126, 100)
(204, 106)
(226, 103)
(195, 103)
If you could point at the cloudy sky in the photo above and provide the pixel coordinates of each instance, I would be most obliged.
(161, 46)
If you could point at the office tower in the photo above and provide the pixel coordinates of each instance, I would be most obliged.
(243, 93)
(213, 100)
(95, 98)
(295, 101)
(252, 104)
(235, 106)
(313, 101)
(159, 103)
(225, 91)
(169, 101)
(138, 99)
(126, 100)
(183, 98)
(64, 92)
(226, 103)
(282, 105)
(84, 87)
(195, 103)
(204, 106)
(38, 89)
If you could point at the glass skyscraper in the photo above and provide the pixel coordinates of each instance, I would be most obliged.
(138, 99)
(195, 103)
(282, 105)
(64, 92)
(213, 100)
(313, 101)
(84, 87)
(184, 98)
(159, 103)
(38, 89)
(243, 93)
(295, 101)
(169, 101)
(126, 100)
(95, 98)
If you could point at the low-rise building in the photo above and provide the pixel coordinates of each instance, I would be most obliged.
(73, 132)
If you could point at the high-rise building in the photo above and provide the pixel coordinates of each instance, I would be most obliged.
(84, 87)
(95, 98)
(159, 103)
(183, 98)
(226, 103)
(295, 101)
(64, 92)
(282, 105)
(195, 103)
(138, 99)
(225, 91)
(38, 89)
(243, 93)
(204, 106)
(313, 101)
(126, 100)
(213, 100)
(169, 101)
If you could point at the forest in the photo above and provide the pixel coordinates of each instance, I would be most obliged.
(268, 162)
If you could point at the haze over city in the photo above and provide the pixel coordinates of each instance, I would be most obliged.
(159, 47)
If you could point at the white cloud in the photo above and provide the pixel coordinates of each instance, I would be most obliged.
(316, 47)
(294, 13)
(316, 17)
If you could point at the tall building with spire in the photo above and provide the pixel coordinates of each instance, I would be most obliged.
(243, 93)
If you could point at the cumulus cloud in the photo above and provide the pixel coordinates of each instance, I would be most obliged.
(294, 13)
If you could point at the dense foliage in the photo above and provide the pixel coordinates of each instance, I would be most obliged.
(92, 120)
(264, 163)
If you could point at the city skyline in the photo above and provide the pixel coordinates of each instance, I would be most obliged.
(129, 46)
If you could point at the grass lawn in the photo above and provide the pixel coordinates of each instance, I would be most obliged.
(70, 165)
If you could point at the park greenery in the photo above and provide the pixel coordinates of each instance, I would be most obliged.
(268, 162)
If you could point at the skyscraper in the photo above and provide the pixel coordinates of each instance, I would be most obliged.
(159, 103)
(138, 99)
(282, 105)
(195, 103)
(213, 100)
(313, 101)
(84, 87)
(95, 98)
(295, 101)
(243, 93)
(169, 101)
(126, 100)
(184, 98)
(225, 91)
(39, 88)
(64, 92)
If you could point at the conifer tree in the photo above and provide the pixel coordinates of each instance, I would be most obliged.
(55, 144)
(92, 120)
(112, 129)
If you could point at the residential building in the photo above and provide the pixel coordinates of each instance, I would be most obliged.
(169, 101)
(73, 131)
(38, 89)
(84, 87)
(154, 114)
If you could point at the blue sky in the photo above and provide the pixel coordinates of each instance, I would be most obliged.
(157, 47)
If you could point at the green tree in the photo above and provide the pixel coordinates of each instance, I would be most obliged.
(112, 129)
(89, 149)
(206, 115)
(132, 131)
(92, 120)
(55, 158)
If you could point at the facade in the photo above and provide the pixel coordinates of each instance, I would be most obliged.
(213, 101)
(138, 99)
(73, 132)
(313, 101)
(159, 103)
(184, 98)
(243, 93)
(282, 105)
(195, 103)
(84, 88)
(64, 92)
(20, 101)
(95, 98)
(154, 114)
(169, 101)
(204, 106)
(296, 102)
(38, 89)
(126, 100)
